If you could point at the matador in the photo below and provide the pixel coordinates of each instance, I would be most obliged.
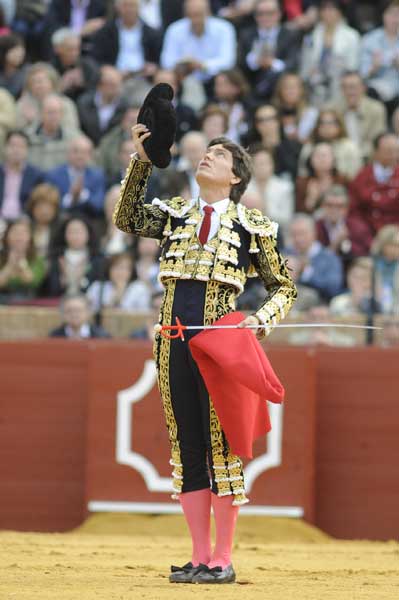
(209, 245)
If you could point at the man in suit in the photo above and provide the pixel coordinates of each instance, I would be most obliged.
(267, 48)
(102, 108)
(81, 186)
(127, 42)
(364, 117)
(76, 317)
(17, 176)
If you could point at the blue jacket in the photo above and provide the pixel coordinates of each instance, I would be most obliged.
(92, 197)
(324, 273)
(31, 177)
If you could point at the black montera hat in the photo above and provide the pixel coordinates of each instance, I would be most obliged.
(158, 114)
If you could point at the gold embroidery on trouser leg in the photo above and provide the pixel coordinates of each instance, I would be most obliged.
(163, 381)
(229, 476)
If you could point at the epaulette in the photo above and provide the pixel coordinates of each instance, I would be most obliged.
(176, 207)
(255, 222)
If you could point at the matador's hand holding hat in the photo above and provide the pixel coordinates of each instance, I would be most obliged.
(158, 115)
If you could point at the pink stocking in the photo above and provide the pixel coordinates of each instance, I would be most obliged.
(225, 520)
(197, 511)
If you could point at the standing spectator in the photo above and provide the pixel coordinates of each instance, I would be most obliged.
(12, 63)
(335, 230)
(76, 319)
(268, 48)
(43, 206)
(231, 90)
(75, 262)
(81, 186)
(330, 49)
(126, 42)
(267, 130)
(17, 176)
(101, 109)
(297, 117)
(49, 139)
(192, 149)
(119, 290)
(318, 267)
(364, 117)
(78, 74)
(322, 175)
(385, 251)
(277, 194)
(21, 271)
(379, 61)
(330, 128)
(357, 299)
(41, 81)
(199, 43)
(375, 191)
(111, 142)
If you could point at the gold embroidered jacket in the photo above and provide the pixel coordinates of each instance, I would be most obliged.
(245, 245)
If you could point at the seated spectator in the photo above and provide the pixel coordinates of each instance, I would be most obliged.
(75, 262)
(330, 49)
(147, 264)
(385, 251)
(268, 48)
(297, 117)
(22, 271)
(231, 90)
(111, 142)
(268, 132)
(364, 117)
(186, 117)
(357, 299)
(30, 23)
(12, 63)
(320, 336)
(277, 193)
(214, 122)
(78, 74)
(379, 58)
(147, 331)
(322, 175)
(330, 128)
(17, 176)
(7, 116)
(76, 320)
(126, 42)
(119, 289)
(81, 186)
(192, 149)
(335, 230)
(307, 297)
(83, 17)
(102, 108)
(49, 139)
(41, 81)
(43, 207)
(199, 44)
(375, 191)
(114, 240)
(318, 267)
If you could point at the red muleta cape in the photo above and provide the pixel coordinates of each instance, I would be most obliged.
(239, 379)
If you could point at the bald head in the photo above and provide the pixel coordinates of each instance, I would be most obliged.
(80, 151)
(193, 148)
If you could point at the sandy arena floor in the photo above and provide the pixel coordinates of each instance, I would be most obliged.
(122, 557)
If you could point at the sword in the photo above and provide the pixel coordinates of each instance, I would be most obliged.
(179, 328)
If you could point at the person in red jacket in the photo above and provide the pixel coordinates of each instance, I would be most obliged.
(375, 190)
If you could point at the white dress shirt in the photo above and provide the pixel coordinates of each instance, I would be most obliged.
(219, 208)
(215, 48)
(131, 54)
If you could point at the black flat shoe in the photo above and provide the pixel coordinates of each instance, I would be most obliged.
(215, 575)
(185, 573)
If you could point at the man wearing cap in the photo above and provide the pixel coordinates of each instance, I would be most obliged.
(210, 245)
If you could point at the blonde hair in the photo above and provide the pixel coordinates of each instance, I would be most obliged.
(389, 234)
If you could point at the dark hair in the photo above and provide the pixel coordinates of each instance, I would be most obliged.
(381, 136)
(59, 242)
(31, 252)
(214, 109)
(18, 132)
(7, 42)
(242, 166)
(309, 165)
(237, 78)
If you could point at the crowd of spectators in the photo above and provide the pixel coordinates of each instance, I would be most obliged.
(310, 87)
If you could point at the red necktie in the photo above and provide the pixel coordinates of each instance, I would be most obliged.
(206, 225)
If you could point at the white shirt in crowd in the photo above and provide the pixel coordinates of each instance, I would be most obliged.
(137, 296)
